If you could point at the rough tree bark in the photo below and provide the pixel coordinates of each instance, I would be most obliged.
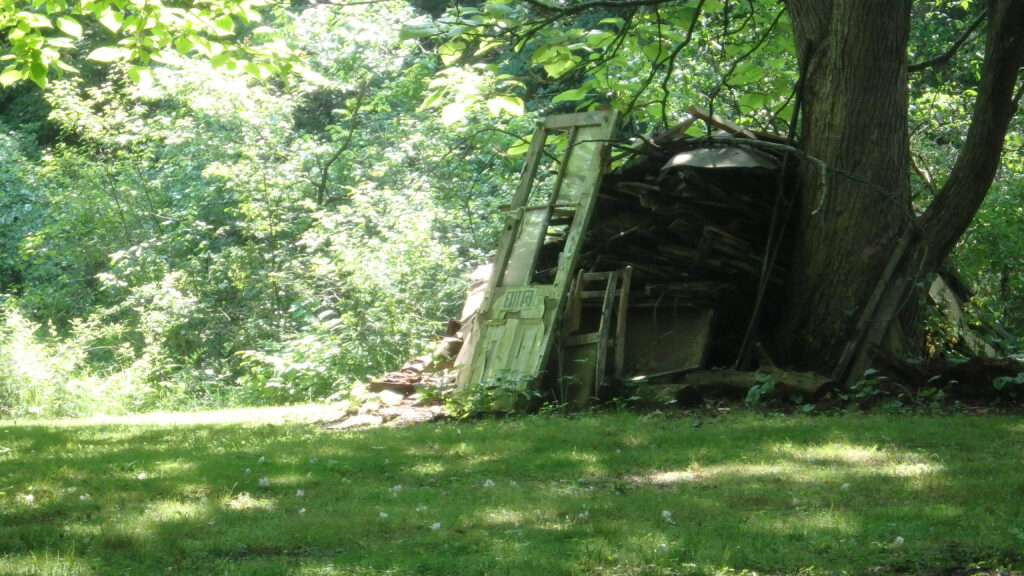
(853, 58)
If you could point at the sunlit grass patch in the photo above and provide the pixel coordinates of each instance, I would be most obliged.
(600, 494)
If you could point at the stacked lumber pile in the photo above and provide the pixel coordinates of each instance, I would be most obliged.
(696, 220)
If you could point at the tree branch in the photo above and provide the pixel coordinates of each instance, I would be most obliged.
(671, 64)
(953, 208)
(560, 12)
(948, 54)
(320, 186)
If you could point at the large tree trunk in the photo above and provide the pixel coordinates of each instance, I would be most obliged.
(860, 251)
(853, 56)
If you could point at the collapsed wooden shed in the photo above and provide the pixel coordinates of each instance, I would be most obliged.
(629, 264)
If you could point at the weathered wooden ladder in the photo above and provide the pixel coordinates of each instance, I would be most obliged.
(583, 356)
(513, 334)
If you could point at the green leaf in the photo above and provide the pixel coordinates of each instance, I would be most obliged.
(557, 60)
(544, 54)
(519, 148)
(752, 101)
(111, 20)
(452, 113)
(225, 25)
(62, 65)
(10, 76)
(69, 26)
(37, 73)
(600, 38)
(654, 51)
(60, 42)
(511, 104)
(432, 98)
(571, 95)
(497, 10)
(253, 69)
(488, 45)
(451, 51)
(141, 75)
(747, 72)
(559, 68)
(218, 60)
(183, 45)
(419, 30)
(108, 54)
(35, 20)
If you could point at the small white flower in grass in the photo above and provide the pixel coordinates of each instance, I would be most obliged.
(585, 515)
(264, 482)
(488, 483)
(29, 498)
(248, 470)
(85, 497)
(383, 515)
(141, 476)
(435, 526)
(396, 489)
(421, 508)
(795, 502)
(299, 493)
(845, 486)
(71, 490)
(667, 517)
(513, 483)
(302, 511)
(898, 541)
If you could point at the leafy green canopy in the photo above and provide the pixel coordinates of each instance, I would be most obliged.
(40, 34)
(649, 60)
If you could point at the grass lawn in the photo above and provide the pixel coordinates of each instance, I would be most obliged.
(257, 492)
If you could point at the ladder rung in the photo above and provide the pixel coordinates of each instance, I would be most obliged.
(582, 339)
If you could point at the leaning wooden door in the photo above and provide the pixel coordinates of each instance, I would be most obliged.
(537, 254)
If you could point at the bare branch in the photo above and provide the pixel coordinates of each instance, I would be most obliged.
(672, 62)
(736, 62)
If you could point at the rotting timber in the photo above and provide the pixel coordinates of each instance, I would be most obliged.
(658, 264)
(641, 267)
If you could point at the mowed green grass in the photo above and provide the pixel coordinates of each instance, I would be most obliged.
(241, 493)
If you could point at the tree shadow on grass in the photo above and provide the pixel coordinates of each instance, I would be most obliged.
(597, 494)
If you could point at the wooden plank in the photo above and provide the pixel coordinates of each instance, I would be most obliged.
(604, 327)
(583, 339)
(667, 338)
(619, 366)
(578, 119)
(719, 122)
